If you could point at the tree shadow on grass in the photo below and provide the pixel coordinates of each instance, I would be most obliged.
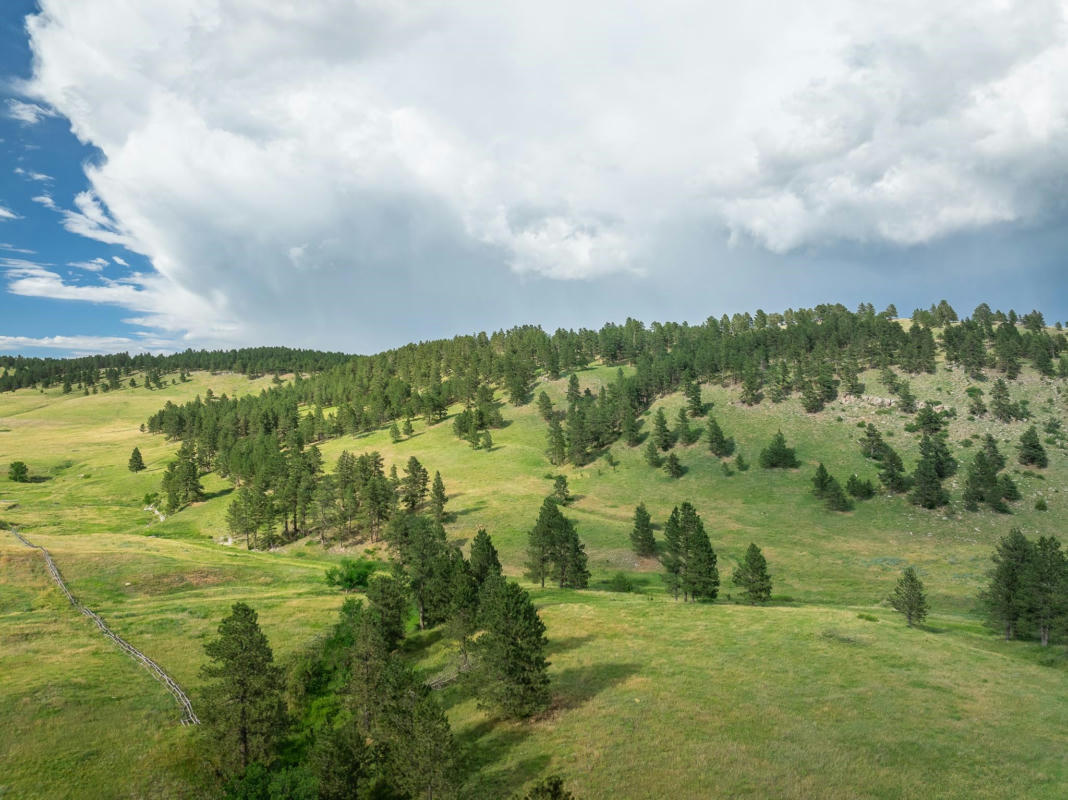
(575, 686)
(463, 512)
(567, 643)
(486, 747)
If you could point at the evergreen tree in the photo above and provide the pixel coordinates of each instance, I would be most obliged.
(740, 463)
(641, 536)
(927, 490)
(820, 481)
(18, 472)
(1046, 582)
(484, 560)
(513, 670)
(652, 454)
(554, 549)
(672, 556)
(752, 576)
(556, 448)
(243, 707)
(862, 490)
(719, 444)
(909, 597)
(560, 490)
(1005, 596)
(486, 441)
(1000, 404)
(699, 575)
(693, 399)
(545, 406)
(629, 426)
(1032, 453)
(872, 445)
(438, 498)
(408, 430)
(892, 472)
(573, 393)
(777, 455)
(682, 428)
(935, 449)
(394, 433)
(661, 435)
(835, 499)
(751, 386)
(136, 463)
(672, 466)
(414, 484)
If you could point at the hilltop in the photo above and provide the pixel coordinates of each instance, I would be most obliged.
(823, 691)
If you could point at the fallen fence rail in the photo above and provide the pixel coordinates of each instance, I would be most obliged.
(189, 716)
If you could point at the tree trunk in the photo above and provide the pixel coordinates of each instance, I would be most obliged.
(1045, 635)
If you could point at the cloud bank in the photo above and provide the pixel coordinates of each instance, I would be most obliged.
(294, 171)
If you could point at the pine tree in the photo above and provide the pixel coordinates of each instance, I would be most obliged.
(484, 560)
(1005, 596)
(487, 440)
(661, 434)
(1046, 582)
(545, 406)
(699, 575)
(820, 481)
(934, 448)
(909, 597)
(752, 576)
(641, 537)
(513, 670)
(652, 454)
(682, 427)
(136, 463)
(243, 706)
(408, 430)
(556, 448)
(1032, 453)
(892, 473)
(560, 490)
(414, 485)
(927, 490)
(629, 426)
(777, 455)
(835, 499)
(394, 433)
(719, 444)
(573, 394)
(1000, 404)
(693, 399)
(672, 556)
(872, 445)
(438, 498)
(18, 472)
(862, 490)
(672, 466)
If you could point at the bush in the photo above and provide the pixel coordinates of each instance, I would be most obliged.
(350, 575)
(862, 490)
(620, 582)
(777, 455)
(18, 472)
(1040, 504)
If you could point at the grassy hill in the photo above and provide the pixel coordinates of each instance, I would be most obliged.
(823, 693)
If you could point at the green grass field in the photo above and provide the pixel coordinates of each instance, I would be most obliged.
(803, 698)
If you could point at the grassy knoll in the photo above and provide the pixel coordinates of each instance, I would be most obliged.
(800, 699)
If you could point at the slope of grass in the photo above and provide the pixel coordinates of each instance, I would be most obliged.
(653, 698)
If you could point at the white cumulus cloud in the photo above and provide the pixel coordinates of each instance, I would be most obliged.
(277, 159)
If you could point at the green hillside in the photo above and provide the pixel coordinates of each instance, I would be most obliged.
(823, 692)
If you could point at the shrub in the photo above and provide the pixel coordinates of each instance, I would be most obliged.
(620, 582)
(1040, 504)
(18, 472)
(350, 575)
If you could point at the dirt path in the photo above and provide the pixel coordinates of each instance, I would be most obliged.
(188, 716)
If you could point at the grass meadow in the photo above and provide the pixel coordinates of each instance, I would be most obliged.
(823, 693)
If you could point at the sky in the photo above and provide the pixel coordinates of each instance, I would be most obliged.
(357, 175)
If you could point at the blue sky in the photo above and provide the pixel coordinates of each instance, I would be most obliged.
(355, 176)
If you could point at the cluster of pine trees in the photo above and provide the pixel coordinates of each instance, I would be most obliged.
(1027, 593)
(690, 563)
(350, 717)
(17, 372)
